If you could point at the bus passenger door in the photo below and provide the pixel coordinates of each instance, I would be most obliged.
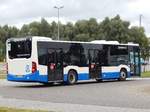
(94, 64)
(135, 63)
(55, 65)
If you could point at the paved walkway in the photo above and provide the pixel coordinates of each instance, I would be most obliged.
(63, 107)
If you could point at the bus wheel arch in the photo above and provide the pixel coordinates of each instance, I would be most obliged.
(72, 77)
(123, 74)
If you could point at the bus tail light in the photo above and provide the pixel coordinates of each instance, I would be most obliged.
(34, 67)
(92, 66)
(52, 66)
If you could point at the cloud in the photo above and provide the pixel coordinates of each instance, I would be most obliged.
(74, 9)
(18, 12)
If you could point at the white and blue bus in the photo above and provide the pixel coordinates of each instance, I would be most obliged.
(41, 59)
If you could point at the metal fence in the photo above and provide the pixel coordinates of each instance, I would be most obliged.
(145, 68)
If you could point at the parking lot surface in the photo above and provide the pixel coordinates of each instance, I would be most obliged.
(131, 94)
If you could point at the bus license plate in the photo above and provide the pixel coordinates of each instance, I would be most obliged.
(19, 76)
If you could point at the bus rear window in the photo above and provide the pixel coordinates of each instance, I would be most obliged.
(118, 50)
(19, 49)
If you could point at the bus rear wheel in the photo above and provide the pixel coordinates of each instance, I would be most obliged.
(99, 80)
(123, 75)
(72, 77)
(48, 83)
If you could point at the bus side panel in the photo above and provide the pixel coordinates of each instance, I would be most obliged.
(43, 72)
(113, 72)
(110, 72)
(42, 75)
(82, 72)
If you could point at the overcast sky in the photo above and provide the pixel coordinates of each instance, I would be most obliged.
(18, 12)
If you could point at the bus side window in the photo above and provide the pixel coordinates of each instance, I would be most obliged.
(96, 56)
(42, 56)
(51, 55)
(91, 56)
(84, 58)
(66, 58)
(59, 55)
(104, 58)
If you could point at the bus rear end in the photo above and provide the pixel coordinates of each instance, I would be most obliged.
(21, 61)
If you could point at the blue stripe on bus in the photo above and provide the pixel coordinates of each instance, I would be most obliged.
(105, 75)
(65, 77)
(83, 76)
(112, 75)
(35, 77)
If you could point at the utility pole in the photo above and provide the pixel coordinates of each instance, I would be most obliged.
(140, 20)
(58, 8)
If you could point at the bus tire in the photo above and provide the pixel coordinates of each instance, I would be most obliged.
(123, 75)
(72, 77)
(48, 83)
(99, 80)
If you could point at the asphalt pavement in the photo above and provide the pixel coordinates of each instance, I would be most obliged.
(132, 95)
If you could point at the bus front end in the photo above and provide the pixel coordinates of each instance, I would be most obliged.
(21, 61)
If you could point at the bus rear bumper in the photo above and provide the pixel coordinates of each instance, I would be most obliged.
(34, 77)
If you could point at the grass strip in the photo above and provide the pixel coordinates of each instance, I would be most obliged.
(2, 76)
(6, 109)
(145, 74)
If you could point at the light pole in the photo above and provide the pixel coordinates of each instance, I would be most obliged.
(58, 8)
(140, 20)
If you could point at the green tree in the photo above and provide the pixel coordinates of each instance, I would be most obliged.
(13, 31)
(81, 26)
(45, 29)
(83, 30)
(104, 29)
(53, 30)
(114, 29)
(69, 31)
(137, 35)
(80, 30)
(25, 31)
(34, 28)
(2, 51)
(82, 37)
(92, 29)
(61, 31)
(2, 34)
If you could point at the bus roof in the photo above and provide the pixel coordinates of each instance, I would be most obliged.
(40, 38)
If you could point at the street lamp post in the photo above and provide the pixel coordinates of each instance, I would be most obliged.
(140, 20)
(58, 8)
